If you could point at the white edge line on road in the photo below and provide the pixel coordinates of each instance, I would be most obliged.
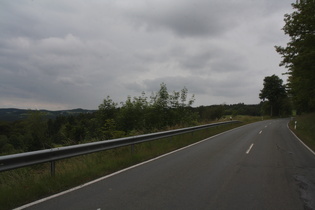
(250, 147)
(301, 140)
(118, 172)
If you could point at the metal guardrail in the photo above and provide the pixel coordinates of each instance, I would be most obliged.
(9, 162)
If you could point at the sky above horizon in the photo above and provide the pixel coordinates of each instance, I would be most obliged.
(72, 53)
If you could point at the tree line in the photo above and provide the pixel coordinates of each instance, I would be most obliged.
(299, 55)
(138, 115)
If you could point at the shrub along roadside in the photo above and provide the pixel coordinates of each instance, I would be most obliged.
(24, 185)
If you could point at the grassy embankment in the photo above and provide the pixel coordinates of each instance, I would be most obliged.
(24, 185)
(305, 129)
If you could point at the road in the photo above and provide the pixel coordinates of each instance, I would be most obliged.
(257, 166)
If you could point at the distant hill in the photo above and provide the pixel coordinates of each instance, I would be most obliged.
(12, 114)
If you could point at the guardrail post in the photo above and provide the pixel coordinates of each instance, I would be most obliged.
(53, 168)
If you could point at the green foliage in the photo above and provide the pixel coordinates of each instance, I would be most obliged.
(138, 115)
(132, 115)
(274, 91)
(163, 110)
(37, 126)
(216, 112)
(107, 110)
(109, 130)
(299, 54)
(242, 109)
(208, 113)
(5, 146)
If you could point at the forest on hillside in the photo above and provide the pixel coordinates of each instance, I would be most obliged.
(139, 115)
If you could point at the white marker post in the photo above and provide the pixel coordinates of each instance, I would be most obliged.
(295, 125)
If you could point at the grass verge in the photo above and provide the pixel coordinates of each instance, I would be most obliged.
(25, 185)
(305, 129)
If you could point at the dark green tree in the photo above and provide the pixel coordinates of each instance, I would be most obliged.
(182, 112)
(107, 110)
(169, 109)
(159, 108)
(299, 54)
(5, 146)
(275, 93)
(132, 114)
(37, 128)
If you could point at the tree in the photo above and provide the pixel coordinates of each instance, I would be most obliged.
(132, 113)
(172, 109)
(299, 54)
(107, 109)
(159, 109)
(274, 91)
(37, 127)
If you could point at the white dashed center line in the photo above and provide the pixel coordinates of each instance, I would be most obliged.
(247, 152)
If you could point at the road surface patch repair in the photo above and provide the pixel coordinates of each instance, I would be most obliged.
(307, 191)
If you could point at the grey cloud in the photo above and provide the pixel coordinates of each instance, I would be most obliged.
(199, 18)
(75, 53)
(186, 18)
(195, 84)
(234, 63)
(58, 69)
(197, 60)
(181, 55)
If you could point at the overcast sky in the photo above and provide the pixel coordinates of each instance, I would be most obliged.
(63, 54)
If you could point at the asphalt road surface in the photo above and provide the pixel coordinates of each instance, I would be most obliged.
(257, 166)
